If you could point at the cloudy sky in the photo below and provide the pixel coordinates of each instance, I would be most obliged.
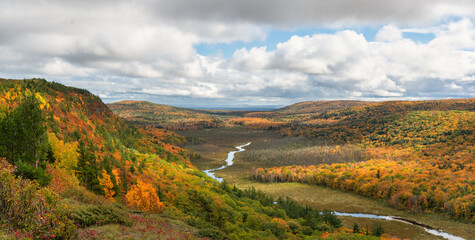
(221, 53)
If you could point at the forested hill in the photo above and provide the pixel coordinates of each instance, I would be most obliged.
(175, 118)
(70, 168)
(421, 154)
(151, 114)
(305, 110)
(355, 122)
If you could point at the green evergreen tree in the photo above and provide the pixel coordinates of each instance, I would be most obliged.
(24, 142)
(31, 129)
(356, 228)
(331, 219)
(377, 230)
(87, 168)
(9, 144)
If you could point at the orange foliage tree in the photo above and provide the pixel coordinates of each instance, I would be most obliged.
(143, 196)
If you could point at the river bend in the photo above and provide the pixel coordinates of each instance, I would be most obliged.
(229, 162)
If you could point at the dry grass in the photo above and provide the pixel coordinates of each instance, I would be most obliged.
(144, 227)
(213, 145)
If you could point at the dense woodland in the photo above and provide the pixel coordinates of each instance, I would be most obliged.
(420, 155)
(70, 168)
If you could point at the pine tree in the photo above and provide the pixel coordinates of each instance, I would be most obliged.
(9, 138)
(23, 133)
(31, 129)
(24, 141)
(356, 228)
(87, 169)
(377, 230)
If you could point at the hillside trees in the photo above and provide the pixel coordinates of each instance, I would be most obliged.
(420, 161)
(65, 153)
(144, 196)
(107, 185)
(411, 185)
(88, 169)
(23, 139)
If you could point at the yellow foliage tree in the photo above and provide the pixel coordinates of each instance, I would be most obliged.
(116, 175)
(143, 196)
(66, 154)
(107, 185)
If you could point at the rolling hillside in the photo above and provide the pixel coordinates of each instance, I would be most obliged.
(421, 154)
(88, 174)
(175, 118)
(305, 110)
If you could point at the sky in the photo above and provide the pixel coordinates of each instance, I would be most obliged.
(243, 53)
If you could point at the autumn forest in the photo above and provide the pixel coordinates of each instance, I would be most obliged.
(72, 167)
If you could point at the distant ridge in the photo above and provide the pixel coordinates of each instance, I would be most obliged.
(303, 110)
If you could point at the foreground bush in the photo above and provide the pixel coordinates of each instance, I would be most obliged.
(88, 215)
(29, 210)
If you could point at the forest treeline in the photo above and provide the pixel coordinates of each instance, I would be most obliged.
(84, 168)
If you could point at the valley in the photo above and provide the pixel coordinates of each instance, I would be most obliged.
(76, 170)
(212, 146)
(91, 173)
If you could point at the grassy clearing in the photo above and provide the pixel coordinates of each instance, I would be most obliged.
(300, 151)
(214, 145)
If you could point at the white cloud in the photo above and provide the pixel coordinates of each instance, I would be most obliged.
(59, 67)
(389, 33)
(255, 58)
(122, 47)
(347, 62)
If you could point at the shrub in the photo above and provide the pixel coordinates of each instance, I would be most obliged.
(356, 228)
(29, 171)
(34, 211)
(212, 234)
(198, 223)
(87, 215)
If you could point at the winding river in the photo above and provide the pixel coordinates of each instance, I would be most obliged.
(431, 230)
(229, 162)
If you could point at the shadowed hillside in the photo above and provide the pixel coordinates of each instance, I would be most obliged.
(175, 118)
